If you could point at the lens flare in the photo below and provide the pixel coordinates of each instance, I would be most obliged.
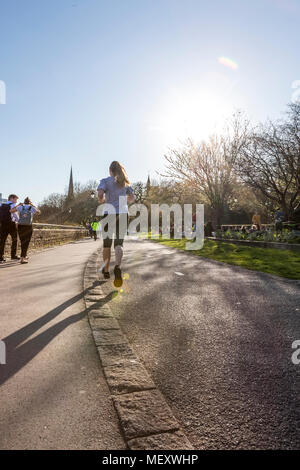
(228, 63)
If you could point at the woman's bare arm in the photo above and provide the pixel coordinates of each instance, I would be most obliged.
(131, 198)
(101, 196)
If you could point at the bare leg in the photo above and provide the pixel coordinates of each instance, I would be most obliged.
(118, 255)
(117, 269)
(106, 258)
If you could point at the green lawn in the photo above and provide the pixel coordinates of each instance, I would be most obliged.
(284, 263)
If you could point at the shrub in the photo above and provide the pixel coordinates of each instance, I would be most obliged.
(285, 236)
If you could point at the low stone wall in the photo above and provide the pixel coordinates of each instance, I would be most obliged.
(258, 244)
(47, 235)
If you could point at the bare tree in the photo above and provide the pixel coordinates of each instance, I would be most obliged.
(269, 161)
(207, 169)
(56, 208)
(139, 191)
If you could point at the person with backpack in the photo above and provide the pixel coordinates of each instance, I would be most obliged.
(115, 191)
(26, 212)
(8, 227)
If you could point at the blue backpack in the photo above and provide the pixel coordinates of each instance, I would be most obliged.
(26, 216)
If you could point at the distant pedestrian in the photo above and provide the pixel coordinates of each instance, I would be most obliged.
(8, 227)
(90, 230)
(208, 229)
(116, 191)
(279, 218)
(95, 227)
(26, 212)
(256, 220)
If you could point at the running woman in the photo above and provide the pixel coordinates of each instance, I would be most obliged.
(109, 191)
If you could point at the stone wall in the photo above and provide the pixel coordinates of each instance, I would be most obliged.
(47, 235)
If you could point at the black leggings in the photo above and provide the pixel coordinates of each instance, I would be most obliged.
(119, 233)
(25, 234)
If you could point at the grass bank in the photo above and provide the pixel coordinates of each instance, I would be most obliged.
(284, 263)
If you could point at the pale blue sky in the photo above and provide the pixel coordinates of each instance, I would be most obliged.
(90, 81)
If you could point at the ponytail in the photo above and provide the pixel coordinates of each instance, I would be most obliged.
(119, 173)
(27, 201)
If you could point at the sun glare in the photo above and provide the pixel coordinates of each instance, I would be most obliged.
(192, 115)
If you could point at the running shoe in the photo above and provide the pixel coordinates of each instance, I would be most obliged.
(118, 277)
(105, 274)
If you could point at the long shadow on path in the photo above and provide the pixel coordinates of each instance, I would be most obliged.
(18, 357)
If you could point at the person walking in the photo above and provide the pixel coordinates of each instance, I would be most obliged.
(26, 212)
(279, 218)
(90, 230)
(115, 191)
(95, 227)
(256, 220)
(8, 227)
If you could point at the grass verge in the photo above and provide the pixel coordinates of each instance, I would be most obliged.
(284, 263)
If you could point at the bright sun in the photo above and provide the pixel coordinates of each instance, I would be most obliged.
(194, 115)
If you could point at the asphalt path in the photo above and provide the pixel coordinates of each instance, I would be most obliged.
(217, 340)
(53, 392)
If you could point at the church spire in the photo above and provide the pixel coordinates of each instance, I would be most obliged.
(148, 184)
(71, 186)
